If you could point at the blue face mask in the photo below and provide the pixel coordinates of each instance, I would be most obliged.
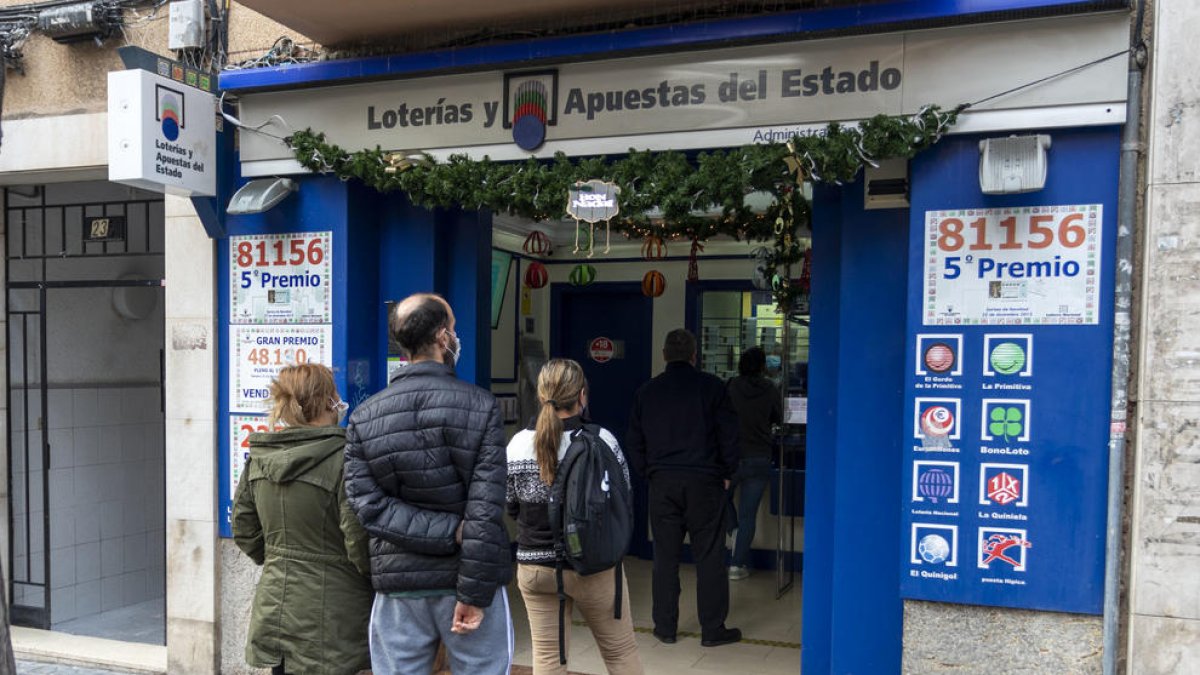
(774, 362)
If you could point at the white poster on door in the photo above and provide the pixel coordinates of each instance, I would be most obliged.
(240, 428)
(1034, 265)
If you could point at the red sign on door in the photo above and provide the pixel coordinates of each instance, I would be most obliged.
(601, 350)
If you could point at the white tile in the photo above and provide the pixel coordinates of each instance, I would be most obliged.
(110, 444)
(190, 370)
(62, 567)
(87, 523)
(63, 604)
(87, 562)
(61, 412)
(134, 514)
(90, 489)
(16, 403)
(190, 262)
(132, 443)
(156, 549)
(87, 598)
(62, 488)
(191, 470)
(87, 445)
(37, 567)
(112, 552)
(135, 553)
(62, 448)
(134, 587)
(112, 520)
(112, 593)
(62, 525)
(108, 403)
(86, 409)
(33, 441)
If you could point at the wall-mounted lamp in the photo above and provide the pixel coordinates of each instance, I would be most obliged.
(1012, 165)
(260, 195)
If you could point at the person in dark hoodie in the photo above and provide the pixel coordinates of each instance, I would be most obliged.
(759, 406)
(290, 515)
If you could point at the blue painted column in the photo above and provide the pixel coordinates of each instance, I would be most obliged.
(852, 609)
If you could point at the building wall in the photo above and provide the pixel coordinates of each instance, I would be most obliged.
(1163, 584)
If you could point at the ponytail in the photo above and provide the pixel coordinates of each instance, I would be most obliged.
(547, 435)
(559, 384)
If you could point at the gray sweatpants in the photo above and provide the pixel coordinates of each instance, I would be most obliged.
(405, 634)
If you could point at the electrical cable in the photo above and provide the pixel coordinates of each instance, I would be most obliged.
(1040, 80)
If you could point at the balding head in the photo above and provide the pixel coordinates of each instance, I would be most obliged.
(417, 322)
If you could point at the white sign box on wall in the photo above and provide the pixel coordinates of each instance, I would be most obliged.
(161, 134)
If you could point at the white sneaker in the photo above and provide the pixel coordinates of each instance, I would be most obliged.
(738, 572)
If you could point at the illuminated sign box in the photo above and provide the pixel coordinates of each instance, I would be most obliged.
(161, 134)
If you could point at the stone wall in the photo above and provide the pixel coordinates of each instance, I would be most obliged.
(1164, 577)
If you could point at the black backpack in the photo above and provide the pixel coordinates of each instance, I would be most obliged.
(591, 516)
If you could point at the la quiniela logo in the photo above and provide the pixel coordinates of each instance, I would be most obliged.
(170, 111)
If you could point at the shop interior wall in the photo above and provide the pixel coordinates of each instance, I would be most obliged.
(105, 418)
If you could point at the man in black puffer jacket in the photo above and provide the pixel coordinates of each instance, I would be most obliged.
(426, 473)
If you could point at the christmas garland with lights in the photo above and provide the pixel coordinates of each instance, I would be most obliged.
(663, 194)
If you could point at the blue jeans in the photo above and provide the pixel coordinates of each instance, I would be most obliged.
(752, 477)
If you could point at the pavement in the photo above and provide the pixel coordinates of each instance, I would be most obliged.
(35, 668)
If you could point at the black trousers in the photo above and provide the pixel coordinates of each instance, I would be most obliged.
(692, 504)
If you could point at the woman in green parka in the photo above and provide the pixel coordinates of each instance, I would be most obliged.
(290, 515)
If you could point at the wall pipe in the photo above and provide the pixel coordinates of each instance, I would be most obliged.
(1123, 303)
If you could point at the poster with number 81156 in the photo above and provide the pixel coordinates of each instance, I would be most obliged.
(1036, 265)
(280, 278)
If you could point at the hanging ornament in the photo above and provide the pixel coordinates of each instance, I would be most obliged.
(653, 284)
(694, 261)
(582, 275)
(583, 240)
(654, 248)
(805, 283)
(537, 243)
(762, 268)
(536, 275)
(591, 202)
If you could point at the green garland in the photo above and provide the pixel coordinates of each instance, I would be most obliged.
(680, 189)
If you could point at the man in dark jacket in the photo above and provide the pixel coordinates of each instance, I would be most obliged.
(683, 436)
(426, 473)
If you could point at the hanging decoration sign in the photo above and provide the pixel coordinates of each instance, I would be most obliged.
(592, 202)
(280, 278)
(1013, 266)
(259, 352)
(601, 350)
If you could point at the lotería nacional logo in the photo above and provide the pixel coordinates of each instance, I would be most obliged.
(935, 482)
(530, 105)
(169, 111)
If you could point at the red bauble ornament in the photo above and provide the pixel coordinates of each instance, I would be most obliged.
(536, 275)
(537, 243)
(653, 284)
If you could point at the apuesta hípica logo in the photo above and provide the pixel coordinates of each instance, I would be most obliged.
(530, 105)
(170, 112)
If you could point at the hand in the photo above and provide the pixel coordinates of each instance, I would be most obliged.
(727, 483)
(458, 533)
(466, 618)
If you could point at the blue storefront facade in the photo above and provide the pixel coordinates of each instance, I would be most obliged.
(885, 350)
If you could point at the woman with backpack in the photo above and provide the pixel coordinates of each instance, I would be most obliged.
(290, 515)
(534, 456)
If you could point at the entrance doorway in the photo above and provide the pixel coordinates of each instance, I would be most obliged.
(86, 416)
(619, 313)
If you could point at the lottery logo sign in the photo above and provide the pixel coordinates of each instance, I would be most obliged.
(1008, 355)
(1001, 546)
(937, 418)
(1004, 485)
(939, 354)
(934, 544)
(935, 482)
(1005, 420)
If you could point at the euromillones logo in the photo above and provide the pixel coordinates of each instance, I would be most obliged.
(530, 105)
(170, 111)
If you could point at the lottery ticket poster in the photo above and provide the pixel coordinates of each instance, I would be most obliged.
(258, 353)
(281, 278)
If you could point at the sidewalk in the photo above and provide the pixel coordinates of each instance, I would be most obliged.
(35, 668)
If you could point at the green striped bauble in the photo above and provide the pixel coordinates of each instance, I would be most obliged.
(582, 275)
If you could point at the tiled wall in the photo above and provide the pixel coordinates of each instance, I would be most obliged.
(107, 507)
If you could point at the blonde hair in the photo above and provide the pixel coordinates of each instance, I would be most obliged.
(559, 385)
(299, 394)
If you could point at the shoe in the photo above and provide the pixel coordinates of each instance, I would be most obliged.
(726, 636)
(738, 572)
(664, 638)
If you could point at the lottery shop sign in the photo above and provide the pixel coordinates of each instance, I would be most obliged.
(280, 278)
(1034, 265)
